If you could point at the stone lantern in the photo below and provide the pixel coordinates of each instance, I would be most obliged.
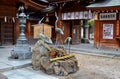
(21, 50)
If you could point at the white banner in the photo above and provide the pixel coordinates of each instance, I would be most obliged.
(77, 15)
(85, 16)
(64, 16)
(72, 15)
(68, 16)
(81, 15)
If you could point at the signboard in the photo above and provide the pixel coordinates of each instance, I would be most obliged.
(36, 31)
(44, 29)
(107, 16)
(107, 31)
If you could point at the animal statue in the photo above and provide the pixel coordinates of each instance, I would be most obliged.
(58, 31)
(44, 38)
(67, 41)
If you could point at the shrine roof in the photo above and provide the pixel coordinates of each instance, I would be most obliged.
(105, 3)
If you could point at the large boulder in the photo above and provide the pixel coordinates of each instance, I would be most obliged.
(65, 67)
(59, 63)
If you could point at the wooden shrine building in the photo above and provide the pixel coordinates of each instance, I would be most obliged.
(72, 16)
(107, 23)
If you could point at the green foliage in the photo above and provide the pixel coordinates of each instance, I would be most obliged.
(90, 23)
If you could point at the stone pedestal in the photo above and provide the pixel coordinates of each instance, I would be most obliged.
(85, 38)
(21, 52)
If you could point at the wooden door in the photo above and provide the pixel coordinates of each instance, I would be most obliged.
(76, 34)
(6, 33)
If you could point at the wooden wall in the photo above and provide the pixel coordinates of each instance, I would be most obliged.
(7, 24)
(98, 33)
(66, 28)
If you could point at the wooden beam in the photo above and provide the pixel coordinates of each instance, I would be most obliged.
(33, 4)
(62, 1)
(105, 8)
(7, 11)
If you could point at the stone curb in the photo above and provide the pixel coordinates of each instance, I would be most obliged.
(15, 67)
(94, 53)
(98, 52)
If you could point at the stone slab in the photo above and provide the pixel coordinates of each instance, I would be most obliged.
(27, 73)
(3, 76)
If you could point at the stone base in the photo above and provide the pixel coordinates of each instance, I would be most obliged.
(84, 40)
(21, 52)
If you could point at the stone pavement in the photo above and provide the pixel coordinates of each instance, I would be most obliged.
(27, 73)
(7, 64)
(19, 69)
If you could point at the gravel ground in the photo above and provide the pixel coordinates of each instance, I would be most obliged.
(94, 67)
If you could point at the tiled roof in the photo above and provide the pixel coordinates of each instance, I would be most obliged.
(105, 3)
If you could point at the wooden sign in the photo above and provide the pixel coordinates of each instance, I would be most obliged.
(44, 29)
(107, 16)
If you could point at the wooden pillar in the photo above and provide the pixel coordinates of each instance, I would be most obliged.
(16, 30)
(28, 28)
(2, 32)
(96, 33)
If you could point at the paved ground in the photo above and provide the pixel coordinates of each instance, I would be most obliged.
(27, 73)
(106, 68)
(94, 63)
(7, 64)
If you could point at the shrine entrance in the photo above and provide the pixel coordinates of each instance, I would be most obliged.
(6, 33)
(76, 33)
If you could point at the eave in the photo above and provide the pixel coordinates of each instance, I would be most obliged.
(105, 4)
(33, 4)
